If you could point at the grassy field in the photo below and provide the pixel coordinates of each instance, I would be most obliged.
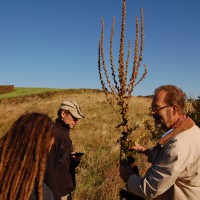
(96, 135)
(21, 91)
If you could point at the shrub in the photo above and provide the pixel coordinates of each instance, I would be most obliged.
(194, 113)
(6, 88)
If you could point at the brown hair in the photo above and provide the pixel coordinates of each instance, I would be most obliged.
(174, 96)
(23, 153)
(60, 112)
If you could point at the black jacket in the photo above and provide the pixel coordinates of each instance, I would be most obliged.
(47, 194)
(60, 178)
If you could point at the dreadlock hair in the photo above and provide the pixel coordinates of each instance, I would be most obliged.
(23, 154)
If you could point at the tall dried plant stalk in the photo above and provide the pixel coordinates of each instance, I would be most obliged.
(118, 92)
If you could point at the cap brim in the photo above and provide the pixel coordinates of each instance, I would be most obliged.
(75, 114)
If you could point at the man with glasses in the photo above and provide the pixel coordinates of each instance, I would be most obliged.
(175, 170)
(62, 161)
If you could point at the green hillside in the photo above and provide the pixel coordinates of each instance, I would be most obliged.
(23, 91)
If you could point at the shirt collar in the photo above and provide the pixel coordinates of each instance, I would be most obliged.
(185, 125)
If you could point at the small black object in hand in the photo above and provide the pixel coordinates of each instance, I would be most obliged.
(129, 196)
(77, 154)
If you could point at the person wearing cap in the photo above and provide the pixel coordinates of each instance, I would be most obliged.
(62, 161)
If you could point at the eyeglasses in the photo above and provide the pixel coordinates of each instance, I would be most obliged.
(157, 108)
(74, 118)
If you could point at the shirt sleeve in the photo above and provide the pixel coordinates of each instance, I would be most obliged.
(160, 177)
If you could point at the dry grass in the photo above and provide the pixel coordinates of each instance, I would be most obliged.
(96, 135)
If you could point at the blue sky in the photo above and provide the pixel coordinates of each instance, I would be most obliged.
(54, 43)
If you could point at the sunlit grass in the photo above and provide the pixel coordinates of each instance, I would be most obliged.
(96, 135)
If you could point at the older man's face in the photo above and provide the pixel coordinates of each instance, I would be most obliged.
(161, 112)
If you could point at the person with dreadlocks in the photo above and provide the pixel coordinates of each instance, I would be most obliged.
(23, 155)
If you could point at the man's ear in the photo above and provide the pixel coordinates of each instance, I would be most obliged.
(64, 113)
(175, 109)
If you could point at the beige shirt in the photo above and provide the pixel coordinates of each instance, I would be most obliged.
(175, 171)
